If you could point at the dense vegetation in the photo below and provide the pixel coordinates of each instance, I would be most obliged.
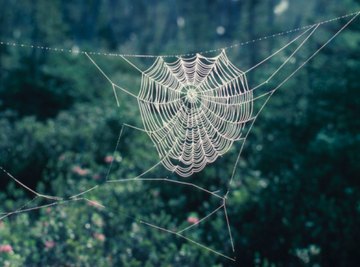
(296, 200)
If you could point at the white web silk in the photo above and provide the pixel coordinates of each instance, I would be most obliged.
(193, 109)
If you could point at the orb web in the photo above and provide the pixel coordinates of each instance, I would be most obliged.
(193, 109)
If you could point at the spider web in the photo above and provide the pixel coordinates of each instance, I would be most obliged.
(193, 109)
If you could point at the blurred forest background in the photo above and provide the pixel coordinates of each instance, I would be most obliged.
(296, 200)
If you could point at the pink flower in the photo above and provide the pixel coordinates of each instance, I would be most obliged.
(6, 249)
(96, 176)
(192, 219)
(78, 170)
(99, 237)
(94, 203)
(50, 244)
(109, 159)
